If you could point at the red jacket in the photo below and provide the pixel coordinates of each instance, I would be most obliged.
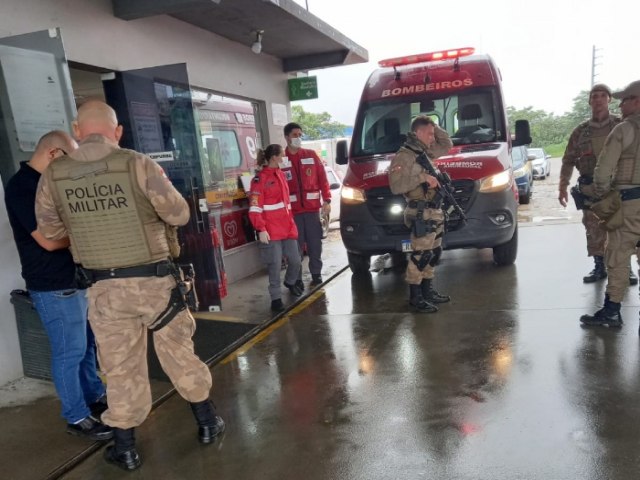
(307, 178)
(270, 208)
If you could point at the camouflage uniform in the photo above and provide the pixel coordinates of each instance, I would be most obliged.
(120, 309)
(404, 177)
(619, 168)
(584, 146)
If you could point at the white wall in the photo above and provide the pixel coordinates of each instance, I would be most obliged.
(93, 36)
(10, 279)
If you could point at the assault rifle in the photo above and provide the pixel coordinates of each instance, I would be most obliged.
(445, 191)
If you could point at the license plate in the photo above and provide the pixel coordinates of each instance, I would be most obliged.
(406, 246)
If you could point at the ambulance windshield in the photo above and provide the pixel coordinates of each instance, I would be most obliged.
(469, 117)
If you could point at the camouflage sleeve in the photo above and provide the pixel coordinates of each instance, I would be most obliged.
(569, 160)
(169, 204)
(608, 159)
(442, 144)
(404, 172)
(49, 222)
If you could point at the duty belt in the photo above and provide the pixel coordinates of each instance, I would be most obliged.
(415, 204)
(158, 269)
(630, 193)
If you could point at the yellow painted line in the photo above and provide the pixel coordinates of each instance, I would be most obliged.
(217, 316)
(271, 328)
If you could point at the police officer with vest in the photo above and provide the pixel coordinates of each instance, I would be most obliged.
(115, 206)
(618, 169)
(422, 215)
(583, 148)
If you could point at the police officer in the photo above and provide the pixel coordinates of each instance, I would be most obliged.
(270, 214)
(422, 215)
(115, 204)
(309, 191)
(618, 168)
(585, 143)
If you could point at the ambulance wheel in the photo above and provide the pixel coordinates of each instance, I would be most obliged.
(359, 263)
(506, 253)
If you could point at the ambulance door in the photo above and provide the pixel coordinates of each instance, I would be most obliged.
(35, 95)
(154, 106)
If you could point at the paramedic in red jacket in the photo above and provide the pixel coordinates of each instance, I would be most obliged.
(270, 214)
(309, 192)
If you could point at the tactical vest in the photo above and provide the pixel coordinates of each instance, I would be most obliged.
(111, 223)
(628, 170)
(419, 193)
(590, 144)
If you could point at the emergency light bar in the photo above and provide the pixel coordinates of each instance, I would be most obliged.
(427, 57)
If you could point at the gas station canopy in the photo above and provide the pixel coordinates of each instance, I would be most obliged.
(300, 39)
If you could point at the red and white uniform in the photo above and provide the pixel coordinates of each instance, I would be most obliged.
(307, 179)
(269, 205)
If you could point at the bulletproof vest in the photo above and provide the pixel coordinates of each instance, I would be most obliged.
(628, 170)
(111, 223)
(418, 193)
(590, 145)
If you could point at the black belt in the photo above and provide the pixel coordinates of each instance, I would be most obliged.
(158, 269)
(630, 193)
(425, 204)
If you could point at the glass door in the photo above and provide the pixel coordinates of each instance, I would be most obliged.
(154, 106)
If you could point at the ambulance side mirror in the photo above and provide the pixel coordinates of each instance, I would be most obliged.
(523, 133)
(342, 155)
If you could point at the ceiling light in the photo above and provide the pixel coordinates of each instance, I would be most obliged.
(256, 47)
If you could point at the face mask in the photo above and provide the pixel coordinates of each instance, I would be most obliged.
(296, 142)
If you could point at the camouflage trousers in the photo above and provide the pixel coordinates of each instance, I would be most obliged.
(621, 245)
(596, 234)
(119, 312)
(430, 242)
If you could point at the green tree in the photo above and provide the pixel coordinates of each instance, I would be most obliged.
(316, 125)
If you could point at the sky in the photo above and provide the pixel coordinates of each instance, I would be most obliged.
(543, 48)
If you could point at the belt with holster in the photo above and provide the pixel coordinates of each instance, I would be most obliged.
(158, 269)
(630, 193)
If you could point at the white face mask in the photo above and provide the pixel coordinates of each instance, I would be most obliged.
(296, 142)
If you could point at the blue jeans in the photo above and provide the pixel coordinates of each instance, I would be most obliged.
(73, 350)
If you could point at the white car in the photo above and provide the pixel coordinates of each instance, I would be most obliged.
(541, 164)
(335, 184)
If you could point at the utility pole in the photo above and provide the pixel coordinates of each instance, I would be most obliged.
(594, 57)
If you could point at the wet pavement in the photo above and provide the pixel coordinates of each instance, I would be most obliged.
(501, 383)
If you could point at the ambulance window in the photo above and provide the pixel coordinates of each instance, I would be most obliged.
(229, 148)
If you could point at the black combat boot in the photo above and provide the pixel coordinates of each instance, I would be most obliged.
(607, 316)
(633, 280)
(417, 301)
(599, 271)
(210, 425)
(123, 452)
(431, 295)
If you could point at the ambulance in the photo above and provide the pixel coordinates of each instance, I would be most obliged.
(461, 91)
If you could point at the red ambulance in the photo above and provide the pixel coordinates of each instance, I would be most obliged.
(462, 92)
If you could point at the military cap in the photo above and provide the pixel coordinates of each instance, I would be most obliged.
(600, 87)
(631, 90)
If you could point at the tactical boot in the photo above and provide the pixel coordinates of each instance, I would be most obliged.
(607, 316)
(431, 295)
(210, 425)
(633, 280)
(417, 301)
(599, 272)
(123, 452)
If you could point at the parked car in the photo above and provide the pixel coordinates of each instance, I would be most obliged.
(523, 172)
(335, 184)
(541, 164)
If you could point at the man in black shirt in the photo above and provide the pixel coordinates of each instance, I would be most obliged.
(49, 273)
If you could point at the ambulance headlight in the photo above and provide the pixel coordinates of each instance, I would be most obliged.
(496, 183)
(520, 172)
(396, 209)
(352, 196)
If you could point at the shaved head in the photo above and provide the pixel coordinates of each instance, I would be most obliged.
(56, 139)
(97, 118)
